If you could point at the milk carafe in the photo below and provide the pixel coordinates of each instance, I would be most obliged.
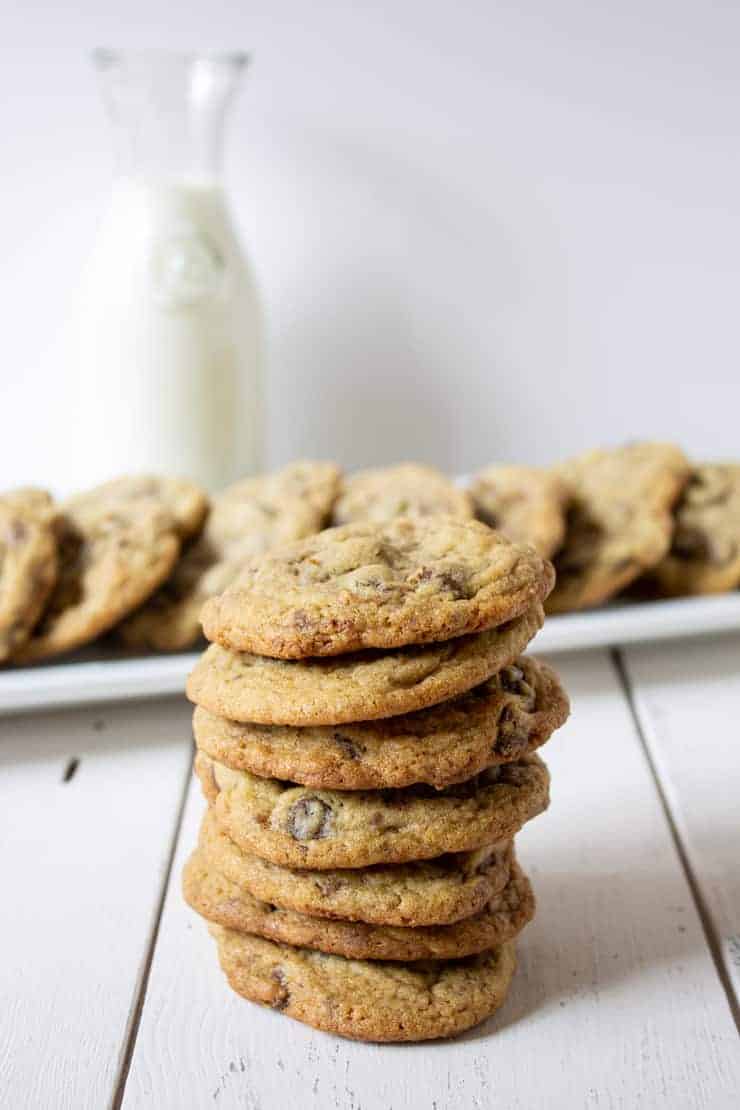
(168, 335)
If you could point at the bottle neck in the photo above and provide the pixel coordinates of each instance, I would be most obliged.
(168, 112)
(163, 151)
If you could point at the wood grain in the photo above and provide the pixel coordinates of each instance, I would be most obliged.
(617, 1002)
(688, 703)
(88, 805)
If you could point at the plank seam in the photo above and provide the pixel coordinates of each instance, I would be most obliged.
(138, 1006)
(705, 917)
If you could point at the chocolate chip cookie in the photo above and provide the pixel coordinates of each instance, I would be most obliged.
(439, 891)
(186, 502)
(247, 519)
(704, 557)
(619, 521)
(28, 564)
(225, 903)
(296, 827)
(526, 503)
(361, 687)
(512, 713)
(112, 556)
(365, 999)
(409, 489)
(377, 586)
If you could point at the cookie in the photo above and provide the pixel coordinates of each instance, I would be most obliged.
(526, 503)
(245, 520)
(704, 557)
(39, 502)
(512, 713)
(377, 586)
(186, 502)
(293, 826)
(409, 489)
(365, 999)
(225, 903)
(360, 687)
(112, 556)
(28, 564)
(439, 891)
(619, 521)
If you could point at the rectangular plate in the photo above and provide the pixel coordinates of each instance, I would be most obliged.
(90, 679)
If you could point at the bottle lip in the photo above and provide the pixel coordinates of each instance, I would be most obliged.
(105, 57)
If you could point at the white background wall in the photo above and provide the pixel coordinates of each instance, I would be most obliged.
(482, 229)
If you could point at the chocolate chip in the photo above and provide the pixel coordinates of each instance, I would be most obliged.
(302, 620)
(585, 537)
(282, 998)
(710, 487)
(457, 581)
(690, 543)
(309, 819)
(349, 748)
(511, 678)
(573, 561)
(389, 554)
(514, 681)
(513, 735)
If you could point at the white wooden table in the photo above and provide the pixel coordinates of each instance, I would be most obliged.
(628, 982)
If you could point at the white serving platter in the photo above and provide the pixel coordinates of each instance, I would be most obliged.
(90, 680)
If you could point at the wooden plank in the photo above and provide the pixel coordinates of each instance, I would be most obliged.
(89, 802)
(616, 1002)
(687, 700)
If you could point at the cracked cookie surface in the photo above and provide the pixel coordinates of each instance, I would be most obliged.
(361, 687)
(619, 521)
(294, 826)
(512, 713)
(704, 557)
(112, 556)
(408, 489)
(246, 520)
(28, 564)
(225, 903)
(372, 585)
(366, 999)
(439, 891)
(526, 503)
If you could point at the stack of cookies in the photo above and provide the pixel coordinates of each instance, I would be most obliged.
(366, 732)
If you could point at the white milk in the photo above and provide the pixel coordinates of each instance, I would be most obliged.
(168, 339)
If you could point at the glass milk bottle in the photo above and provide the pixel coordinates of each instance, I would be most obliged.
(168, 337)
